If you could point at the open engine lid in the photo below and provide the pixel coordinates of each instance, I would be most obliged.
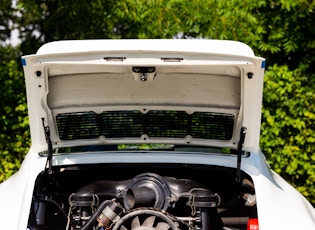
(199, 92)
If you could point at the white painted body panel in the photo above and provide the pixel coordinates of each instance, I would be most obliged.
(280, 206)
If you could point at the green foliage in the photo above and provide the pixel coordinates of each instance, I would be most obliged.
(287, 36)
(6, 18)
(73, 19)
(137, 19)
(14, 132)
(288, 128)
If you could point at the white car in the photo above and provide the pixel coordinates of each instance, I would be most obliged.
(147, 135)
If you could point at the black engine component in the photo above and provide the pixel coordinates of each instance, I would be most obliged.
(145, 197)
(148, 190)
(145, 201)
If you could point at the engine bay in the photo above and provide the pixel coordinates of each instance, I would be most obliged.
(142, 197)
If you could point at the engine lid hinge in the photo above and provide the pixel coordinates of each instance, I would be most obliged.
(239, 153)
(48, 165)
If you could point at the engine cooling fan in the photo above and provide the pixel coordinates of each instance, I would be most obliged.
(146, 219)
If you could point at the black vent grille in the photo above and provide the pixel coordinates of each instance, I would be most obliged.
(168, 124)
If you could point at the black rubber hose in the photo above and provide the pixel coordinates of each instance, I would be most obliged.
(59, 208)
(92, 221)
(57, 205)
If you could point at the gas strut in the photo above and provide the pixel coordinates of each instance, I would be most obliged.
(239, 153)
(50, 149)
